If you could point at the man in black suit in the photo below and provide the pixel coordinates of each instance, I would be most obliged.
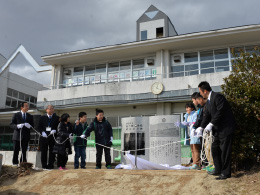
(21, 124)
(222, 125)
(47, 126)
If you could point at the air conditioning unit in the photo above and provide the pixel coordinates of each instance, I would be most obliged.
(177, 59)
(67, 72)
(150, 62)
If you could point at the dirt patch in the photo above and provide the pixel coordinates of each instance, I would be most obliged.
(131, 182)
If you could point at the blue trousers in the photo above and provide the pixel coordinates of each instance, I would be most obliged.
(80, 152)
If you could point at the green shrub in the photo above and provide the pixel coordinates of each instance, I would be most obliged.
(242, 90)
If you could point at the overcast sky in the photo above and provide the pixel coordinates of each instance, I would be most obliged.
(46, 27)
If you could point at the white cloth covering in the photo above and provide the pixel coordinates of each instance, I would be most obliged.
(147, 165)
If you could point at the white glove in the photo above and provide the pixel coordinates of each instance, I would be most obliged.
(208, 128)
(27, 125)
(53, 131)
(199, 131)
(192, 133)
(82, 136)
(71, 136)
(177, 124)
(111, 139)
(185, 123)
(19, 126)
(44, 134)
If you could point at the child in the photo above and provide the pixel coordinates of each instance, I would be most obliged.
(103, 135)
(80, 144)
(61, 146)
(194, 142)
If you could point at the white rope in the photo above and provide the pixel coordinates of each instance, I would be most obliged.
(117, 149)
(206, 138)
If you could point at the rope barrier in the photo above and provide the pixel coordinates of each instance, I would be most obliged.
(115, 148)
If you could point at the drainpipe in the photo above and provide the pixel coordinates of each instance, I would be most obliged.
(162, 76)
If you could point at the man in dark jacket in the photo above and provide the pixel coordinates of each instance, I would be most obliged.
(21, 124)
(47, 126)
(222, 125)
(80, 144)
(103, 136)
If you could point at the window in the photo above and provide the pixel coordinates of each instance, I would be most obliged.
(221, 54)
(191, 57)
(15, 94)
(206, 55)
(14, 103)
(9, 92)
(101, 75)
(143, 35)
(207, 67)
(78, 71)
(159, 32)
(177, 71)
(191, 69)
(125, 71)
(8, 101)
(113, 71)
(21, 96)
(138, 63)
(222, 66)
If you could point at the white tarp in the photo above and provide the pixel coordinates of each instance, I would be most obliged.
(147, 165)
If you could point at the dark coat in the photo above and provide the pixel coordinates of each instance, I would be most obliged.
(221, 115)
(78, 131)
(44, 122)
(18, 119)
(103, 131)
(63, 133)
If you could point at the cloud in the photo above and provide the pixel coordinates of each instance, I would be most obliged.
(21, 67)
(49, 27)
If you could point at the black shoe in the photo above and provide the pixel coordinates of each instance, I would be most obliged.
(213, 173)
(76, 168)
(222, 177)
(83, 167)
(50, 167)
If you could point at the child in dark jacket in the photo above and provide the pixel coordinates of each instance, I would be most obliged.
(62, 144)
(80, 144)
(103, 136)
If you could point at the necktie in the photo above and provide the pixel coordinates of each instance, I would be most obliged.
(24, 117)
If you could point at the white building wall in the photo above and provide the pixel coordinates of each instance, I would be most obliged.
(151, 28)
(3, 88)
(135, 87)
(24, 85)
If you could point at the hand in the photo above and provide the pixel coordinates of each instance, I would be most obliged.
(193, 133)
(19, 126)
(77, 122)
(177, 124)
(199, 131)
(82, 136)
(44, 134)
(208, 128)
(53, 131)
(27, 125)
(185, 123)
(71, 136)
(111, 139)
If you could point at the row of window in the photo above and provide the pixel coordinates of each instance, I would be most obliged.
(141, 69)
(14, 98)
(185, 64)
(203, 62)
